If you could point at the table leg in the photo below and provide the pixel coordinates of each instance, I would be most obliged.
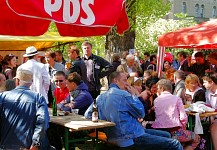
(97, 143)
(210, 138)
(190, 123)
(66, 138)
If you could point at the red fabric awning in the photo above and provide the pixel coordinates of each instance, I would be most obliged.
(76, 18)
(202, 35)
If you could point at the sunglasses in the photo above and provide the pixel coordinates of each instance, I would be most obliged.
(58, 80)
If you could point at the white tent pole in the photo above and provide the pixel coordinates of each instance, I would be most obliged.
(160, 59)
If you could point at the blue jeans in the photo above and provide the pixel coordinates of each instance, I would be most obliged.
(156, 140)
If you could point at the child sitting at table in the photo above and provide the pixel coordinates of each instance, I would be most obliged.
(170, 116)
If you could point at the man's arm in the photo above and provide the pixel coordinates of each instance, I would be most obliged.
(45, 78)
(88, 112)
(183, 117)
(136, 107)
(42, 121)
(107, 67)
(74, 68)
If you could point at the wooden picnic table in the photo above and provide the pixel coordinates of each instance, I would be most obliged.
(208, 115)
(75, 122)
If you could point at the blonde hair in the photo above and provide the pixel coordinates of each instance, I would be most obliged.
(191, 78)
(134, 81)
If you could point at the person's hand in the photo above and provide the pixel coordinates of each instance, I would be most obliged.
(132, 90)
(140, 119)
(71, 105)
(145, 95)
(33, 148)
(184, 127)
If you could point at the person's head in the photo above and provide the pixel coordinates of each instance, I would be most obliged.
(167, 65)
(146, 75)
(73, 80)
(170, 74)
(59, 56)
(10, 60)
(199, 58)
(130, 60)
(60, 79)
(42, 60)
(146, 56)
(124, 54)
(153, 58)
(116, 57)
(87, 48)
(192, 82)
(73, 52)
(181, 56)
(2, 80)
(120, 79)
(10, 84)
(50, 57)
(210, 81)
(23, 77)
(212, 58)
(151, 85)
(135, 82)
(164, 85)
(31, 52)
(179, 75)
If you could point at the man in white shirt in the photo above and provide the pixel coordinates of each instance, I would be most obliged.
(41, 78)
(210, 83)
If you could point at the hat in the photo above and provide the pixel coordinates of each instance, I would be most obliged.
(24, 75)
(30, 51)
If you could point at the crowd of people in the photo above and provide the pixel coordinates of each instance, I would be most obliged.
(148, 111)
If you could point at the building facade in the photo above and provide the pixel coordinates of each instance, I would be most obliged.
(201, 10)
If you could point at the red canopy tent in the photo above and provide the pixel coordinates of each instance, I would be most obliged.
(201, 36)
(76, 18)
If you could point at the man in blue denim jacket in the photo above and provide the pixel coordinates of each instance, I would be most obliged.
(24, 116)
(121, 105)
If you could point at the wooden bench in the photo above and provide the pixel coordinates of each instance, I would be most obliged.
(109, 145)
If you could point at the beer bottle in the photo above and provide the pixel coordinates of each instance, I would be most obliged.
(54, 107)
(95, 112)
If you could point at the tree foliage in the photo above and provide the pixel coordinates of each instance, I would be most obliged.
(146, 24)
(147, 37)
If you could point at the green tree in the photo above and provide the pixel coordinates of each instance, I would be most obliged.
(147, 37)
(136, 9)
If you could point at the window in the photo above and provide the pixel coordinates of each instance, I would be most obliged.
(214, 12)
(197, 10)
(202, 11)
(184, 8)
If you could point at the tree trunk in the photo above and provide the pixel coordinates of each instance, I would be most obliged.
(118, 43)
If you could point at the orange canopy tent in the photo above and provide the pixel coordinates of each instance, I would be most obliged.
(201, 36)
